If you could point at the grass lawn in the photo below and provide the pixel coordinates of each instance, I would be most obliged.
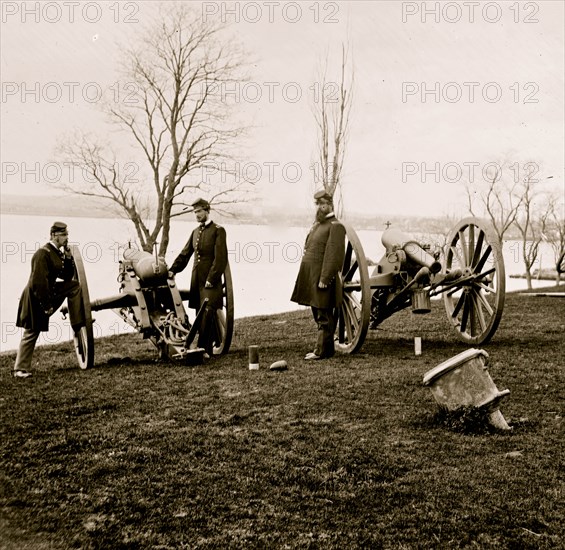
(346, 453)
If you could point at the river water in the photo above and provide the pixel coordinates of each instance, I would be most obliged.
(264, 261)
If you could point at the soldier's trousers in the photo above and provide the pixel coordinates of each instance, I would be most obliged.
(207, 333)
(65, 289)
(25, 351)
(326, 327)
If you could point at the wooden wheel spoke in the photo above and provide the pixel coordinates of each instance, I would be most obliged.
(354, 300)
(354, 322)
(349, 275)
(345, 328)
(478, 248)
(452, 291)
(471, 243)
(465, 314)
(481, 263)
(341, 324)
(220, 323)
(355, 318)
(456, 253)
(458, 306)
(347, 259)
(478, 311)
(486, 288)
(485, 303)
(472, 314)
(463, 247)
(485, 273)
(352, 286)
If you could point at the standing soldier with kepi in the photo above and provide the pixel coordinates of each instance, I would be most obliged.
(208, 244)
(318, 284)
(50, 282)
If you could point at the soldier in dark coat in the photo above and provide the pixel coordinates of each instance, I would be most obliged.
(318, 284)
(50, 282)
(208, 244)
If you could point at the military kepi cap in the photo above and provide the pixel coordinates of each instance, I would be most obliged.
(323, 194)
(59, 227)
(201, 203)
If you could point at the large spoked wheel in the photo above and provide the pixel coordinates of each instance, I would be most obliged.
(354, 312)
(84, 339)
(475, 306)
(224, 316)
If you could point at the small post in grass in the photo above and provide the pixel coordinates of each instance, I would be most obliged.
(253, 357)
(417, 345)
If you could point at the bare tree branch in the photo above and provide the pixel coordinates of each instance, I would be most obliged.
(332, 111)
(555, 234)
(531, 221)
(177, 119)
(498, 199)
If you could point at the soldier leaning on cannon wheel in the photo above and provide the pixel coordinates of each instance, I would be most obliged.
(44, 293)
(317, 284)
(208, 244)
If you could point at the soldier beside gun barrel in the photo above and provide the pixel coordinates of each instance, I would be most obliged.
(208, 244)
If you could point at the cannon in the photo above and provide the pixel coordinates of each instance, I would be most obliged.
(149, 301)
(469, 273)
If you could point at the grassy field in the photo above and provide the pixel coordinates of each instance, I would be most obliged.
(345, 453)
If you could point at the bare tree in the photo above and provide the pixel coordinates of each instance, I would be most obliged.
(332, 110)
(531, 221)
(555, 235)
(177, 120)
(498, 200)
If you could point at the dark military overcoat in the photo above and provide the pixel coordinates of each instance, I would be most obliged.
(208, 244)
(47, 265)
(324, 252)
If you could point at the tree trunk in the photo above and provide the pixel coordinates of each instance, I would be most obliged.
(166, 227)
(529, 278)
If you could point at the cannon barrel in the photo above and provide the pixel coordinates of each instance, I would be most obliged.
(145, 265)
(113, 302)
(393, 239)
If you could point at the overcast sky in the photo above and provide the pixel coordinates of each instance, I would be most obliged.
(441, 89)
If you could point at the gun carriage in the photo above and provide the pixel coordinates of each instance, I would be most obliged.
(470, 276)
(150, 301)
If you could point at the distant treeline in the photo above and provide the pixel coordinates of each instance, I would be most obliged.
(90, 207)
